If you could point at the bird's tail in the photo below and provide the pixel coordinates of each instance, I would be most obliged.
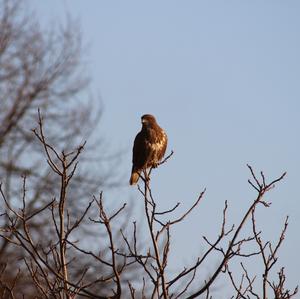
(134, 177)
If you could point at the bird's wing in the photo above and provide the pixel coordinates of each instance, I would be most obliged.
(140, 151)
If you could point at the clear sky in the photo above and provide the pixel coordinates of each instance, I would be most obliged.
(223, 79)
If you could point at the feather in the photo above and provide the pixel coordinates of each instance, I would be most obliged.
(134, 178)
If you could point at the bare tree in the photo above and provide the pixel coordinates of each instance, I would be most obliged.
(185, 284)
(44, 68)
(51, 266)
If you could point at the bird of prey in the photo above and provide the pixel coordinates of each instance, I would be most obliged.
(149, 147)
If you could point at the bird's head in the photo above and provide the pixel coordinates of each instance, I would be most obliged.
(148, 120)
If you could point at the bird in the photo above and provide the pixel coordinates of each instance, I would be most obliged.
(149, 147)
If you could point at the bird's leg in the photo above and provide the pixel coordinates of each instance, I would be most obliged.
(146, 175)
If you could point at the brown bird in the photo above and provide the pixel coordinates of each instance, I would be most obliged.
(149, 147)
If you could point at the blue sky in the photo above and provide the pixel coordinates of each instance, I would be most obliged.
(223, 79)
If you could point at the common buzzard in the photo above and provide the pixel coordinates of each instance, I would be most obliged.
(149, 147)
